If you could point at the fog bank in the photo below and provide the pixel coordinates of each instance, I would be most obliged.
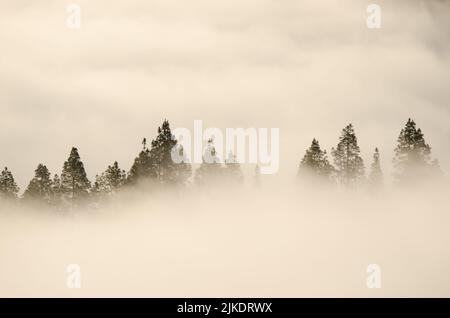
(270, 242)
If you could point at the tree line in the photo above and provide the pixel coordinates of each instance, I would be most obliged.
(153, 164)
(412, 161)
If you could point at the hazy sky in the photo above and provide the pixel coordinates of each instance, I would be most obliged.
(307, 67)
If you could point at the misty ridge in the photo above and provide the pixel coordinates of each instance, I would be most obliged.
(154, 172)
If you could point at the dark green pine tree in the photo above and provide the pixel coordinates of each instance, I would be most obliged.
(412, 156)
(157, 163)
(210, 171)
(8, 187)
(115, 177)
(40, 187)
(161, 154)
(376, 174)
(143, 166)
(347, 159)
(315, 164)
(74, 182)
(109, 182)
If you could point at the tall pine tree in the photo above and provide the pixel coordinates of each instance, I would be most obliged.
(315, 163)
(8, 187)
(40, 187)
(412, 156)
(156, 163)
(143, 166)
(115, 177)
(347, 159)
(109, 182)
(74, 182)
(161, 154)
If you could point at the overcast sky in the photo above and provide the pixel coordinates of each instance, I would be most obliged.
(307, 67)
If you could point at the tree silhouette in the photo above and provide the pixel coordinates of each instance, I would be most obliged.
(412, 159)
(74, 182)
(157, 162)
(108, 183)
(315, 163)
(143, 167)
(40, 187)
(347, 159)
(8, 187)
(161, 154)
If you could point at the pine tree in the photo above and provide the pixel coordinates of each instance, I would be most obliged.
(99, 189)
(143, 166)
(412, 159)
(8, 187)
(161, 154)
(157, 162)
(109, 182)
(347, 159)
(40, 187)
(315, 163)
(115, 177)
(56, 191)
(74, 182)
(211, 169)
(376, 175)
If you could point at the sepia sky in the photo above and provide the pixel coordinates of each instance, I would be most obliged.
(307, 67)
